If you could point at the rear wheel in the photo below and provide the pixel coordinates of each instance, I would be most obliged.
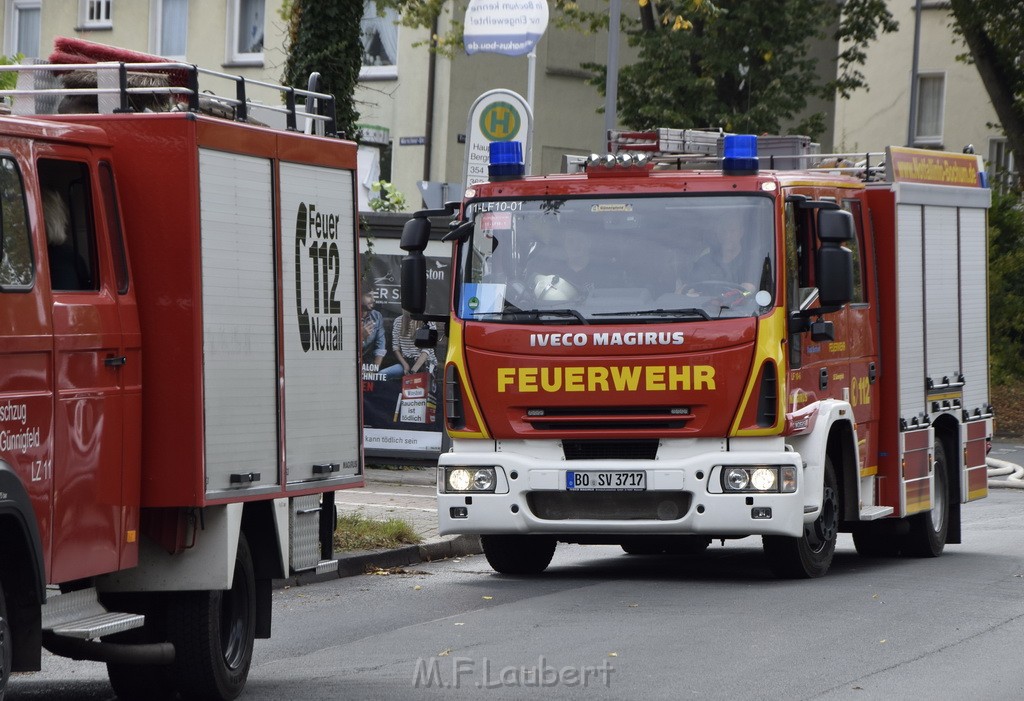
(6, 645)
(809, 555)
(213, 634)
(518, 554)
(927, 536)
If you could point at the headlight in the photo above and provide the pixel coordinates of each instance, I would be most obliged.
(759, 478)
(469, 479)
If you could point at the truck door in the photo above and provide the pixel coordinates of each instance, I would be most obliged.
(89, 358)
(862, 340)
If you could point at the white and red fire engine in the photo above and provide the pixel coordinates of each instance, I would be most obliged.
(179, 392)
(657, 357)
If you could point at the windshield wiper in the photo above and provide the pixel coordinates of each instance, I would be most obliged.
(535, 314)
(689, 311)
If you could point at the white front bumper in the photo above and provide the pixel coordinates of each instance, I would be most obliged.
(524, 482)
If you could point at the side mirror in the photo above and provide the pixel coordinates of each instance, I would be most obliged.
(835, 226)
(414, 278)
(415, 235)
(835, 275)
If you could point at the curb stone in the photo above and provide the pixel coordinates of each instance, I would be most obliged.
(357, 563)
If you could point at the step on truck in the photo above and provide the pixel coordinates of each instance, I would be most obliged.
(660, 354)
(179, 393)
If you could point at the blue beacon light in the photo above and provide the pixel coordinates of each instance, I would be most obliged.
(739, 154)
(506, 160)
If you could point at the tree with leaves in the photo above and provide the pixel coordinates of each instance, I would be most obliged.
(992, 31)
(324, 36)
(742, 66)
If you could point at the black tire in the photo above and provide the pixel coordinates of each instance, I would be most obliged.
(927, 536)
(141, 682)
(6, 645)
(876, 544)
(643, 546)
(518, 554)
(213, 634)
(809, 555)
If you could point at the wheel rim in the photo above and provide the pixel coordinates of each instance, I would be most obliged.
(234, 621)
(820, 533)
(939, 504)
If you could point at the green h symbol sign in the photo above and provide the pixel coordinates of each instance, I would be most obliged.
(500, 122)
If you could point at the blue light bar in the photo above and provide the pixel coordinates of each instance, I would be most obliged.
(739, 154)
(506, 160)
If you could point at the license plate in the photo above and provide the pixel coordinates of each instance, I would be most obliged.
(605, 480)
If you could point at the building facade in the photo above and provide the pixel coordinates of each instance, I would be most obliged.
(953, 109)
(414, 105)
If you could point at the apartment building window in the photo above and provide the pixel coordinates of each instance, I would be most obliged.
(1002, 174)
(23, 29)
(380, 42)
(245, 24)
(96, 14)
(170, 28)
(931, 98)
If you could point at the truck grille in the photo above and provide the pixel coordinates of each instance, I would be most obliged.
(610, 450)
(609, 506)
(608, 419)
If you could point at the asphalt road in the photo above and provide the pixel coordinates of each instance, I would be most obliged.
(714, 626)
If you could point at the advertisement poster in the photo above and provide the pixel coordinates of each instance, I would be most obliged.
(402, 384)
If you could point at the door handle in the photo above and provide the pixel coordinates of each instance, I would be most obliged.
(115, 361)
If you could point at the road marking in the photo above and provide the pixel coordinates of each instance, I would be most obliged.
(388, 506)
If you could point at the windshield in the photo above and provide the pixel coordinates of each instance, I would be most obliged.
(645, 259)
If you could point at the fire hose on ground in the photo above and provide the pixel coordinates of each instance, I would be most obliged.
(1013, 473)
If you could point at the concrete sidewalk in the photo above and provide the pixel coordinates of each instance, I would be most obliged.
(409, 494)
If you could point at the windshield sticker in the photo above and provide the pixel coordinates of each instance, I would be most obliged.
(481, 298)
(497, 221)
(612, 208)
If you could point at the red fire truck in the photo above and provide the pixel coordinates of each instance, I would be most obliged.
(657, 357)
(179, 393)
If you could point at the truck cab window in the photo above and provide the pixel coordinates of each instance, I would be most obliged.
(853, 207)
(109, 192)
(70, 233)
(15, 243)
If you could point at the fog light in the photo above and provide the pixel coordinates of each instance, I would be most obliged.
(458, 512)
(761, 512)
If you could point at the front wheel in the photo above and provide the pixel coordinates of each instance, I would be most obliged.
(927, 536)
(518, 554)
(809, 555)
(213, 634)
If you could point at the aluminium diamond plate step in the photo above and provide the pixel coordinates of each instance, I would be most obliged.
(79, 614)
(873, 513)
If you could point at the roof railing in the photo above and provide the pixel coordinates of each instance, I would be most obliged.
(119, 87)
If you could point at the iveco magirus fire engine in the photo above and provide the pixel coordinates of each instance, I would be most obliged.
(657, 357)
(179, 392)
